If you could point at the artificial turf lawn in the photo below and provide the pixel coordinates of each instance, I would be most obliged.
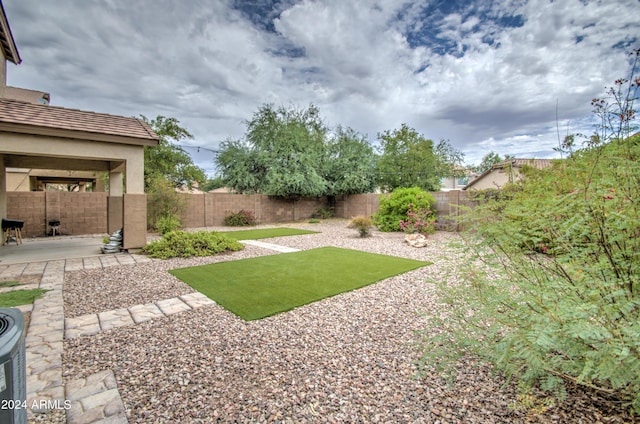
(265, 233)
(259, 287)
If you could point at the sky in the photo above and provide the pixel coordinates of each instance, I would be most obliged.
(491, 75)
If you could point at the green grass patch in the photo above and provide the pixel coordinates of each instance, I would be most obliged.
(9, 284)
(260, 287)
(263, 233)
(20, 297)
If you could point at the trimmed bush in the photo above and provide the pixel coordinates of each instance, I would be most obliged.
(243, 218)
(363, 224)
(396, 206)
(181, 244)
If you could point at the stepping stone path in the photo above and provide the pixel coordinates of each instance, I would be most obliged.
(270, 246)
(88, 325)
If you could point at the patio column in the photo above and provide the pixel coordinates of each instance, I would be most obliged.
(135, 202)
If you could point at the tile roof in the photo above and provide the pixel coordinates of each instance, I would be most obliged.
(35, 119)
(519, 163)
(7, 43)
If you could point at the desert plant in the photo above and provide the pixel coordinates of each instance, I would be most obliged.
(242, 218)
(162, 200)
(396, 206)
(551, 294)
(363, 224)
(167, 223)
(187, 244)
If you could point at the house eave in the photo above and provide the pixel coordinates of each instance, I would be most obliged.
(74, 134)
(6, 39)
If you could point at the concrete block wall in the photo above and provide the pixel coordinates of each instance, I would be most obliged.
(193, 216)
(357, 204)
(265, 209)
(30, 208)
(79, 213)
(86, 213)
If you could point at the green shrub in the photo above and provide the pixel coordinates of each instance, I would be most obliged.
(243, 218)
(314, 221)
(363, 224)
(552, 295)
(162, 200)
(396, 206)
(168, 223)
(187, 244)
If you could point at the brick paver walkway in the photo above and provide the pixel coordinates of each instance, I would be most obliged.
(91, 400)
(94, 399)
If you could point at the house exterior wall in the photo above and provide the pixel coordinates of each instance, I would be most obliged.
(497, 178)
(24, 179)
(26, 95)
(18, 180)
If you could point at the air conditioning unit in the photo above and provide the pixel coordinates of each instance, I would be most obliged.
(13, 378)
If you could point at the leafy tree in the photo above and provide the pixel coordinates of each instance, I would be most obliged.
(213, 183)
(350, 164)
(408, 159)
(488, 161)
(552, 293)
(450, 160)
(167, 160)
(164, 203)
(290, 153)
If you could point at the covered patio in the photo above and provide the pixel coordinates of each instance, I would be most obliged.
(46, 137)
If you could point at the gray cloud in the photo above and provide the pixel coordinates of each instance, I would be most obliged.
(486, 75)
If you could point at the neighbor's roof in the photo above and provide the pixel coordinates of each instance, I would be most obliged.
(514, 163)
(28, 118)
(7, 42)
(519, 163)
(27, 95)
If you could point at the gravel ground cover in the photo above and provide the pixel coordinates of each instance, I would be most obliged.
(348, 358)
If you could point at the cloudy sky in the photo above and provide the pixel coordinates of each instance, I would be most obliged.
(486, 75)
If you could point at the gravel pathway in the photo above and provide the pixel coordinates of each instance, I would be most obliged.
(349, 358)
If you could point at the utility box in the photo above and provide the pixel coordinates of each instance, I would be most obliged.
(13, 371)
